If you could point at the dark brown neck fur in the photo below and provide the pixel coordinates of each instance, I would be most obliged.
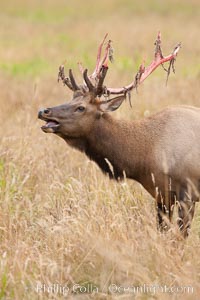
(116, 141)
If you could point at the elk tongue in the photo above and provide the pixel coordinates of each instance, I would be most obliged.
(51, 124)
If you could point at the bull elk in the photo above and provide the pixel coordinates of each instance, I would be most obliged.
(162, 152)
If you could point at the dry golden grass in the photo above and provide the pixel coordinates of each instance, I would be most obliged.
(62, 222)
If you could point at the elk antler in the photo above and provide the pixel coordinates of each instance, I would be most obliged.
(143, 72)
(65, 80)
(101, 63)
(73, 82)
(70, 82)
(101, 69)
(102, 75)
(88, 82)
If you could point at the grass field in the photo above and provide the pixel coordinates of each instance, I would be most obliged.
(62, 222)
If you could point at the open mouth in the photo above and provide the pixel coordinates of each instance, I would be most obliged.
(51, 125)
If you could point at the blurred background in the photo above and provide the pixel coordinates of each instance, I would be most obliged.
(54, 202)
(36, 37)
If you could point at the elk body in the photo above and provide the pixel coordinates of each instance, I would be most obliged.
(162, 152)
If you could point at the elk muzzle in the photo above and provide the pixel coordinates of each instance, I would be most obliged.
(52, 124)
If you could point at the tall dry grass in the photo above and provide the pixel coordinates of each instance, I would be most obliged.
(62, 222)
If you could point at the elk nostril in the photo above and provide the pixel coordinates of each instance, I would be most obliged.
(46, 111)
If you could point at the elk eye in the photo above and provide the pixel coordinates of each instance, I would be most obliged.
(80, 108)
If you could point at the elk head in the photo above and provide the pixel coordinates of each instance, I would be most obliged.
(76, 118)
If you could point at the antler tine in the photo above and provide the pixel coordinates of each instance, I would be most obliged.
(97, 67)
(102, 75)
(143, 72)
(88, 82)
(104, 61)
(73, 82)
(65, 80)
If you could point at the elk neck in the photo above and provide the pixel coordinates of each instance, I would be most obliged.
(117, 146)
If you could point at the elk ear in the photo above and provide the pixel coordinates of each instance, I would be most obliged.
(111, 104)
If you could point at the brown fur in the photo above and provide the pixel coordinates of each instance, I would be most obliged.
(161, 152)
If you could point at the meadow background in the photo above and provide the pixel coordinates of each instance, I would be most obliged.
(61, 220)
